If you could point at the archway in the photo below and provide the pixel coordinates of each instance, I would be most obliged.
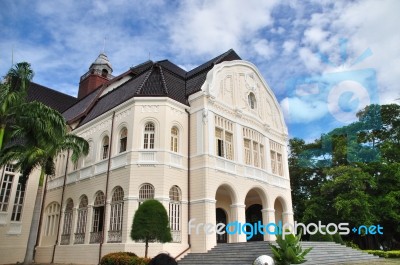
(278, 206)
(221, 218)
(254, 204)
(225, 197)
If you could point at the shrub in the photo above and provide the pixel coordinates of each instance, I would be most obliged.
(289, 250)
(123, 258)
(352, 244)
(385, 254)
(320, 237)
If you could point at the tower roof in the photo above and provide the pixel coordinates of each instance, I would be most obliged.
(101, 60)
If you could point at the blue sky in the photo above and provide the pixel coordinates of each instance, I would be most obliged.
(323, 59)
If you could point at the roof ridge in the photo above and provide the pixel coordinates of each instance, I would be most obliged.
(163, 79)
(139, 90)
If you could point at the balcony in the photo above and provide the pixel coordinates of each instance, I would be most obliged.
(176, 159)
(79, 238)
(115, 236)
(225, 165)
(95, 237)
(65, 239)
(176, 236)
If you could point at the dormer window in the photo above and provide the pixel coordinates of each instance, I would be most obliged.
(252, 100)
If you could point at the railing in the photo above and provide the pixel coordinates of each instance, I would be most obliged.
(176, 159)
(119, 161)
(55, 183)
(86, 172)
(79, 238)
(3, 218)
(65, 239)
(176, 236)
(259, 174)
(146, 156)
(72, 177)
(115, 236)
(95, 237)
(15, 228)
(100, 167)
(225, 165)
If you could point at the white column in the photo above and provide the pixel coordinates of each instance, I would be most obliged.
(269, 217)
(132, 204)
(107, 221)
(239, 143)
(211, 133)
(238, 214)
(88, 228)
(74, 224)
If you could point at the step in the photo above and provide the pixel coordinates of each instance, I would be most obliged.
(245, 253)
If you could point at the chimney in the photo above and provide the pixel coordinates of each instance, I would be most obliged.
(98, 74)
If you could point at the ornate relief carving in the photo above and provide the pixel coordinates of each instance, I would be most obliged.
(150, 108)
(205, 116)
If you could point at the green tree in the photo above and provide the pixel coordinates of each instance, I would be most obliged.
(150, 224)
(35, 135)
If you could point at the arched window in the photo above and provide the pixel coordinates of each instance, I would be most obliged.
(117, 213)
(105, 145)
(174, 139)
(146, 192)
(175, 213)
(98, 218)
(66, 234)
(81, 222)
(149, 130)
(52, 213)
(123, 137)
(252, 100)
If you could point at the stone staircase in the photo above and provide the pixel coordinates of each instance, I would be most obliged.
(245, 253)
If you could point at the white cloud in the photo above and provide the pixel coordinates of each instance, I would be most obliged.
(207, 27)
(288, 46)
(296, 110)
(264, 48)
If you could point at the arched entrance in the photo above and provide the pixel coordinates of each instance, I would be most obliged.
(254, 202)
(225, 197)
(278, 206)
(253, 215)
(221, 218)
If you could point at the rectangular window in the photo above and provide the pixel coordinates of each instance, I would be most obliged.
(116, 217)
(82, 217)
(98, 214)
(5, 192)
(224, 138)
(18, 203)
(122, 144)
(219, 142)
(273, 162)
(146, 141)
(247, 152)
(10, 168)
(262, 162)
(276, 158)
(105, 151)
(229, 145)
(255, 154)
(67, 223)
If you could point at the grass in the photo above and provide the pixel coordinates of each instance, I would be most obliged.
(378, 262)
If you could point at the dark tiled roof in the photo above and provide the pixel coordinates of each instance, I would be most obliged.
(149, 79)
(50, 97)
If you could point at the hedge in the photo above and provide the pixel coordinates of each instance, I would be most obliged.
(385, 254)
(123, 258)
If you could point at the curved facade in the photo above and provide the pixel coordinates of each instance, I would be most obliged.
(218, 156)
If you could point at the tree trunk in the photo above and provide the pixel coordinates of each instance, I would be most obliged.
(147, 247)
(30, 248)
(2, 129)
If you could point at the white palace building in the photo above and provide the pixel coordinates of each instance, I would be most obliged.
(210, 144)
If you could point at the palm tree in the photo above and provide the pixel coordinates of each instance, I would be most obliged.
(13, 92)
(36, 134)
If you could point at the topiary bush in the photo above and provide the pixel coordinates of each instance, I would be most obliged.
(320, 237)
(123, 258)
